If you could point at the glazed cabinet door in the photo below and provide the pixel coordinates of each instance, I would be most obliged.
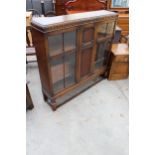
(62, 56)
(104, 34)
(102, 53)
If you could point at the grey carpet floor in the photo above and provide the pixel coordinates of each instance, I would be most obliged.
(94, 123)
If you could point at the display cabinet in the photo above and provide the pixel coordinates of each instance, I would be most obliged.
(72, 52)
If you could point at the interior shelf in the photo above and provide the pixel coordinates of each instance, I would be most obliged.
(57, 53)
(70, 48)
(58, 72)
(104, 38)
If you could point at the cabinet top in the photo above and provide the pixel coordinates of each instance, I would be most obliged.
(44, 23)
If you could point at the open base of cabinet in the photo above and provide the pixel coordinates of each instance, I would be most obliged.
(55, 103)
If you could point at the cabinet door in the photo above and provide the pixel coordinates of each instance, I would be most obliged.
(103, 50)
(86, 51)
(55, 45)
(57, 70)
(69, 57)
(110, 28)
(104, 34)
(69, 41)
(62, 55)
(105, 30)
(69, 69)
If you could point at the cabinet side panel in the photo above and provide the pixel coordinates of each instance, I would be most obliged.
(42, 58)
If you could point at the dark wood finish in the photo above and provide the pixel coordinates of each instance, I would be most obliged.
(77, 6)
(72, 50)
(119, 62)
(29, 103)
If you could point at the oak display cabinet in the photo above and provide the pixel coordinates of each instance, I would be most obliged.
(72, 52)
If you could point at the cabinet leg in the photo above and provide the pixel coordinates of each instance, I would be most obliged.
(53, 104)
(30, 107)
(45, 97)
(54, 107)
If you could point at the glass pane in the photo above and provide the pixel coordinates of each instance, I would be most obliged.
(70, 40)
(57, 74)
(110, 28)
(107, 51)
(99, 64)
(88, 35)
(55, 44)
(69, 69)
(103, 49)
(101, 30)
